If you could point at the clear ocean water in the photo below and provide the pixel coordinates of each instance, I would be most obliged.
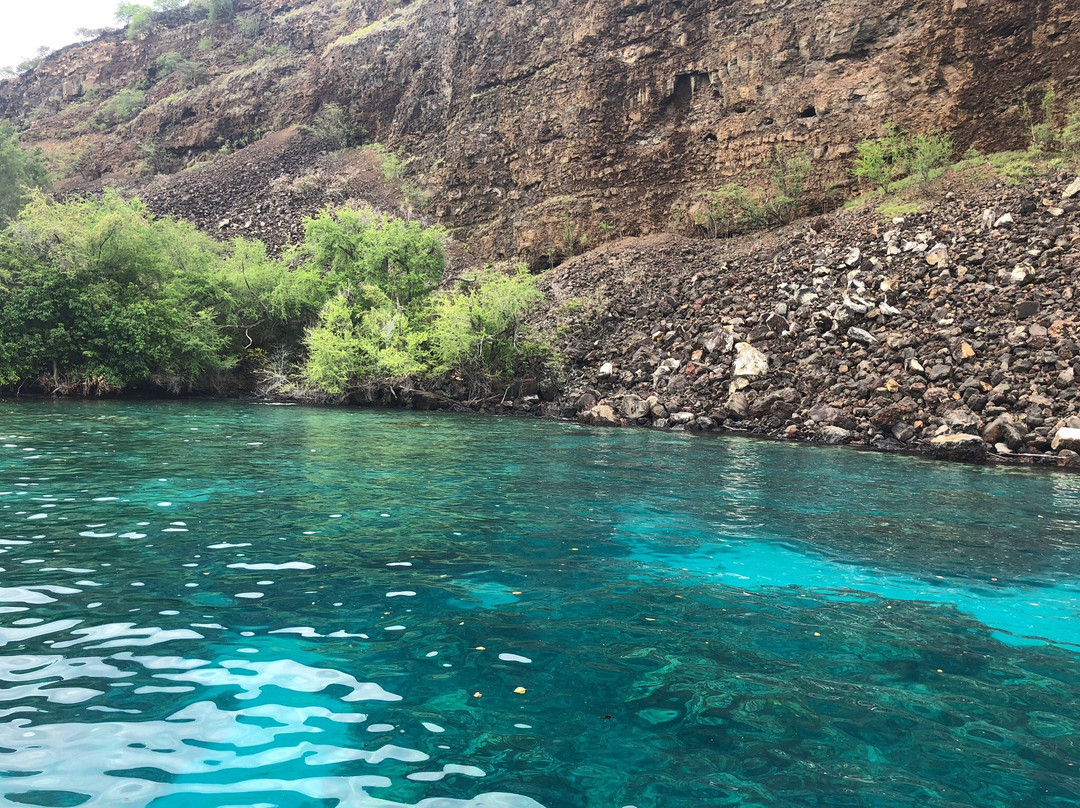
(207, 605)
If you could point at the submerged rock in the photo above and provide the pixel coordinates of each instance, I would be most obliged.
(600, 415)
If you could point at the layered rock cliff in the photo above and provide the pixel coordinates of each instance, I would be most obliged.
(537, 124)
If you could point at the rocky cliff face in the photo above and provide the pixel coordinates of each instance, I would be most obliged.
(535, 124)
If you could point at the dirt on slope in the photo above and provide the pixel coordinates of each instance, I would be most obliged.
(265, 190)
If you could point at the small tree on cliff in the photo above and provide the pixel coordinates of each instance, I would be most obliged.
(19, 170)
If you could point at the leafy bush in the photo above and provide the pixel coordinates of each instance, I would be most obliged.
(250, 26)
(20, 170)
(122, 107)
(156, 159)
(334, 127)
(357, 246)
(734, 208)
(719, 213)
(100, 295)
(927, 153)
(1046, 135)
(478, 329)
(873, 163)
(214, 11)
(790, 172)
(90, 296)
(393, 167)
(360, 334)
(190, 73)
(168, 63)
(881, 161)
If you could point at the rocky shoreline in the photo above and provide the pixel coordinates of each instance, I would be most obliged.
(953, 332)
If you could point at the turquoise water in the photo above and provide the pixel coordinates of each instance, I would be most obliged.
(215, 605)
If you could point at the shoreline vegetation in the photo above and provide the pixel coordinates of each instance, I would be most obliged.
(103, 298)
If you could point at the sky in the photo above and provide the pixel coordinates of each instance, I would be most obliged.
(26, 25)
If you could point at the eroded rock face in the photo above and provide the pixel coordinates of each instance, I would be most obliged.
(542, 125)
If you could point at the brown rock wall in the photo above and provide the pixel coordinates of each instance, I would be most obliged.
(537, 124)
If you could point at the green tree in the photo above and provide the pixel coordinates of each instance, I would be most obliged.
(354, 246)
(215, 11)
(91, 299)
(135, 16)
(20, 170)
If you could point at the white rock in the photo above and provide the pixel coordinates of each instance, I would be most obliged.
(606, 370)
(1072, 190)
(1066, 438)
(938, 256)
(749, 361)
(1003, 220)
(1021, 274)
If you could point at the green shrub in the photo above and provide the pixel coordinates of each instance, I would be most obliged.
(790, 172)
(478, 329)
(122, 107)
(928, 153)
(357, 246)
(168, 63)
(20, 171)
(734, 208)
(334, 127)
(214, 11)
(250, 26)
(1045, 134)
(156, 159)
(393, 167)
(100, 295)
(360, 334)
(882, 161)
(190, 73)
(1070, 132)
(873, 163)
(573, 240)
(90, 296)
(719, 213)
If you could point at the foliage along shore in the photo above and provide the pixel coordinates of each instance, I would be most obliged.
(101, 297)
(937, 315)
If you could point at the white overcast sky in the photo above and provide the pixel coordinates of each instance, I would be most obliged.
(26, 25)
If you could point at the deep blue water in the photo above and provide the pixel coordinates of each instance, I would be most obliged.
(216, 605)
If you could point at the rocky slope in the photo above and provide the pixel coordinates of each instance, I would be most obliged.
(537, 124)
(953, 331)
